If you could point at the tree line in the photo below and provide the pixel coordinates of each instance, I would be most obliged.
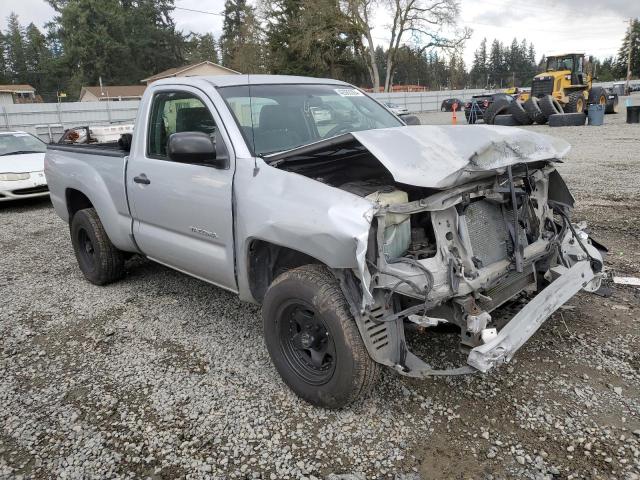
(124, 41)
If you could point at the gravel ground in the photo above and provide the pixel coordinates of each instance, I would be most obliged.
(164, 376)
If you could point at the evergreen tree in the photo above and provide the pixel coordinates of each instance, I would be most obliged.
(531, 56)
(478, 73)
(37, 58)
(380, 56)
(310, 37)
(4, 69)
(631, 42)
(605, 70)
(496, 64)
(15, 50)
(457, 73)
(200, 48)
(118, 40)
(241, 42)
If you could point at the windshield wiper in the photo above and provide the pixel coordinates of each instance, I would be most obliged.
(19, 152)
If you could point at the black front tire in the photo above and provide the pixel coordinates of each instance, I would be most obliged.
(576, 103)
(335, 379)
(99, 260)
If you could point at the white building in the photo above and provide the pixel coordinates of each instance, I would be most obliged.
(201, 68)
(12, 94)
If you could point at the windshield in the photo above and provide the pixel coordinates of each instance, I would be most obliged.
(560, 63)
(274, 118)
(18, 143)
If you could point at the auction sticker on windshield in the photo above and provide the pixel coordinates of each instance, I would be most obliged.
(348, 92)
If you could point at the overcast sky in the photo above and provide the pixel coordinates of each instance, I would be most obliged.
(552, 25)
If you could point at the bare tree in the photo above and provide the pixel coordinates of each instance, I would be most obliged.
(425, 23)
(360, 13)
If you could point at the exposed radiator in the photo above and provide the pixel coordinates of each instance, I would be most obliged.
(511, 285)
(488, 233)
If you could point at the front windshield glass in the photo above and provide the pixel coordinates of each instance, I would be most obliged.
(18, 143)
(274, 118)
(560, 63)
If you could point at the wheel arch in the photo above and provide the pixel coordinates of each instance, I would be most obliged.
(117, 226)
(76, 200)
(266, 260)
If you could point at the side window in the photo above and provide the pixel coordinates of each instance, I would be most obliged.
(173, 112)
(247, 111)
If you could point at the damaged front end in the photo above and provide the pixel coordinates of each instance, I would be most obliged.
(456, 234)
(470, 250)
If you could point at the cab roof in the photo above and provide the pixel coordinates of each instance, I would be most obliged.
(238, 80)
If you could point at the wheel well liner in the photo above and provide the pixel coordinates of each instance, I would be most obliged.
(267, 260)
(76, 200)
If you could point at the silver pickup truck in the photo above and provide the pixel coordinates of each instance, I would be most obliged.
(349, 226)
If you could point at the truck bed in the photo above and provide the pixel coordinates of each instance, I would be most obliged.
(110, 149)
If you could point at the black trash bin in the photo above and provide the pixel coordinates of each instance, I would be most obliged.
(633, 114)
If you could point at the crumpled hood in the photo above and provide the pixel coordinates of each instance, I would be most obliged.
(442, 156)
(21, 163)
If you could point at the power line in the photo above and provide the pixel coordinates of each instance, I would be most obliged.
(529, 28)
(198, 11)
(555, 12)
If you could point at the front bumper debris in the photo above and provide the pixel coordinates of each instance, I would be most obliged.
(526, 322)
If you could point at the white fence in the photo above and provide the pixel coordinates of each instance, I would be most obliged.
(49, 120)
(426, 101)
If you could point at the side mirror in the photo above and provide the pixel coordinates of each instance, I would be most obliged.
(411, 120)
(196, 147)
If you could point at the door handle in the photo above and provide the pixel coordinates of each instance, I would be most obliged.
(142, 178)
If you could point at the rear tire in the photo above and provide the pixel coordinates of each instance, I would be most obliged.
(313, 340)
(612, 107)
(498, 107)
(519, 113)
(532, 106)
(598, 96)
(550, 106)
(99, 260)
(567, 119)
(576, 103)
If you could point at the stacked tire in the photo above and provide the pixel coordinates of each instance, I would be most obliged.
(498, 108)
(536, 110)
(532, 107)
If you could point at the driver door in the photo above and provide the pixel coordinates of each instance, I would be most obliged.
(182, 215)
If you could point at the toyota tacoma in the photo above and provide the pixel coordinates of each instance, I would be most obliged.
(347, 225)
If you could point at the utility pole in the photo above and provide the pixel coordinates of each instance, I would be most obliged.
(631, 42)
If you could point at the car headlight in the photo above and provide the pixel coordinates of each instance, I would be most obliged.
(8, 177)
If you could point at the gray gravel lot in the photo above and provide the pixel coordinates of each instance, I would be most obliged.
(164, 376)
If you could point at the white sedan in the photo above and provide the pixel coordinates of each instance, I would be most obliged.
(21, 166)
(397, 109)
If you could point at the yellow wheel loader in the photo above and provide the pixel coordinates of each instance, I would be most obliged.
(568, 79)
